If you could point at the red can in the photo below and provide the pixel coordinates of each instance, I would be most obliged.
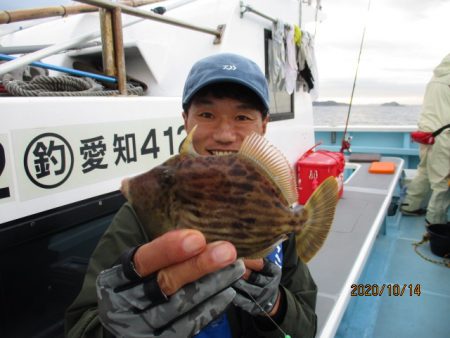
(314, 167)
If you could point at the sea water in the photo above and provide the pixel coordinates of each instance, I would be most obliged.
(378, 115)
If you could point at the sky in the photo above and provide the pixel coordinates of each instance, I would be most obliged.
(404, 41)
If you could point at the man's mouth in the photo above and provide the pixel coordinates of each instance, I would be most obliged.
(222, 152)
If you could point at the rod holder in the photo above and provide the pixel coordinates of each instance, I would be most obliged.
(248, 8)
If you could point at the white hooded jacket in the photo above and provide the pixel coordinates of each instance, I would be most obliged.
(436, 102)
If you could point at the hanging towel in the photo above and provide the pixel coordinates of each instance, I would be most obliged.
(291, 61)
(277, 56)
(307, 75)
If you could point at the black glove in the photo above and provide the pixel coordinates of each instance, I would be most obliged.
(127, 310)
(262, 285)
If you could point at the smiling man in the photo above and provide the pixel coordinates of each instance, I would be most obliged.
(225, 113)
(227, 97)
(143, 284)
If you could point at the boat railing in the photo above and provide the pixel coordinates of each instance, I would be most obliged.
(112, 38)
(61, 10)
(34, 16)
(248, 8)
(391, 141)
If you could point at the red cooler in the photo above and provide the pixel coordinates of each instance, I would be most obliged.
(314, 167)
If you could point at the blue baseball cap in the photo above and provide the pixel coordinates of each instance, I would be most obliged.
(226, 67)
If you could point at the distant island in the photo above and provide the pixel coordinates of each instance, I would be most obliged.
(391, 104)
(329, 103)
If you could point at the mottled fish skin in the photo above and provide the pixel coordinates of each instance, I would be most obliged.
(227, 198)
(224, 197)
(242, 198)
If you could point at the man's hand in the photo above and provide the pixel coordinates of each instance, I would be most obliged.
(194, 275)
(259, 288)
(180, 257)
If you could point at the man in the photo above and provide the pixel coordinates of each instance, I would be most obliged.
(433, 172)
(175, 284)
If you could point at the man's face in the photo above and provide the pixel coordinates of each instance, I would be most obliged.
(222, 124)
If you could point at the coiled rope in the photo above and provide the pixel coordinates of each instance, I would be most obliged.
(426, 238)
(62, 86)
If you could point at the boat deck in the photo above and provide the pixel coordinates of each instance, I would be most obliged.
(393, 261)
(367, 247)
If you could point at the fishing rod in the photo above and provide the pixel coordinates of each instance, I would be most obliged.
(345, 144)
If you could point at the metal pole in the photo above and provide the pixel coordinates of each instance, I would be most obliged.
(12, 50)
(300, 14)
(44, 12)
(76, 41)
(247, 8)
(27, 59)
(108, 79)
(48, 12)
(106, 27)
(118, 50)
(148, 15)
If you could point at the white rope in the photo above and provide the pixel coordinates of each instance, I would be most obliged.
(61, 86)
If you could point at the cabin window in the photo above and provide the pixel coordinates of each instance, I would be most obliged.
(281, 103)
(43, 260)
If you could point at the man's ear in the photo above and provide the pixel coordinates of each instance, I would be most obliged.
(185, 118)
(264, 124)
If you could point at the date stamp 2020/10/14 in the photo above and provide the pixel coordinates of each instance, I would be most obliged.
(376, 290)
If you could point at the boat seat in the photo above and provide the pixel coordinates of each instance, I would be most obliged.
(359, 217)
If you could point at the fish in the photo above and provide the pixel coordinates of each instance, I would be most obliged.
(248, 198)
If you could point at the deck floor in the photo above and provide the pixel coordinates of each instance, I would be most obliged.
(394, 261)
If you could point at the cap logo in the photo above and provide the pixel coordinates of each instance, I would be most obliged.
(229, 67)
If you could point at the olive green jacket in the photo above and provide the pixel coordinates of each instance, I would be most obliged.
(126, 231)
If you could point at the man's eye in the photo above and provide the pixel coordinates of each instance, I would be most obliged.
(206, 115)
(243, 118)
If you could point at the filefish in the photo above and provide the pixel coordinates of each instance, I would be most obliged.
(247, 198)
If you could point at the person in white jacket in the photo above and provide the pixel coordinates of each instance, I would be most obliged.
(434, 168)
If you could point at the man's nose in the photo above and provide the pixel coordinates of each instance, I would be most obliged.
(225, 132)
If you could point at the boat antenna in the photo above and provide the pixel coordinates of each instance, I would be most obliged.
(345, 145)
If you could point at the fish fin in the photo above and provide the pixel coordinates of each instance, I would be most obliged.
(268, 158)
(320, 209)
(125, 188)
(263, 253)
(187, 148)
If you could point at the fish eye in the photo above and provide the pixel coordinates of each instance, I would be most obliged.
(166, 177)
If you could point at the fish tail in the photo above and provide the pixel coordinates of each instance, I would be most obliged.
(319, 210)
(125, 188)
